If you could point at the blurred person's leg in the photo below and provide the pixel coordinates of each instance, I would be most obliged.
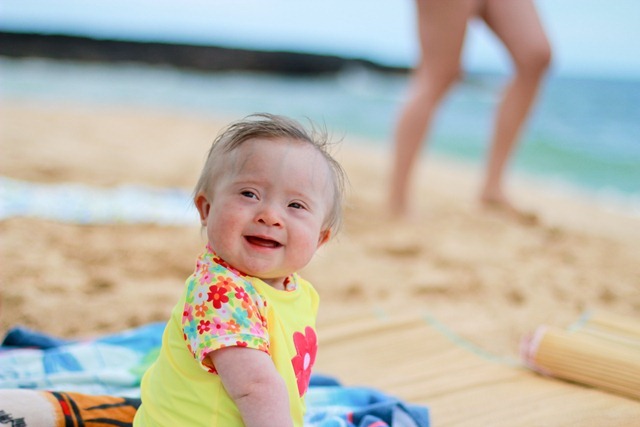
(441, 29)
(517, 24)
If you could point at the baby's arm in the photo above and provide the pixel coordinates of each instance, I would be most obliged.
(254, 384)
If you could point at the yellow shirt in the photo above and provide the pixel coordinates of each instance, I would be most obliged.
(223, 307)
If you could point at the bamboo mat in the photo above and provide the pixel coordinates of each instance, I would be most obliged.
(411, 357)
(602, 350)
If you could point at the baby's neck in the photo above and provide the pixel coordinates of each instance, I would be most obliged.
(281, 284)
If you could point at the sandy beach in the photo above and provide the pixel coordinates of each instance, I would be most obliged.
(485, 277)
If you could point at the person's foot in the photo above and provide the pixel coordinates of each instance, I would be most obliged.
(401, 215)
(398, 212)
(397, 209)
(502, 205)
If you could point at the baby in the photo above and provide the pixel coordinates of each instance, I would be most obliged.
(241, 341)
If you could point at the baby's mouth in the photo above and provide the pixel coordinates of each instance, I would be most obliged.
(260, 241)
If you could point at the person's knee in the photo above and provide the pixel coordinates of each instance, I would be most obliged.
(543, 57)
(434, 82)
(449, 77)
(536, 61)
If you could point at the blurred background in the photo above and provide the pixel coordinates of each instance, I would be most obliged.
(345, 64)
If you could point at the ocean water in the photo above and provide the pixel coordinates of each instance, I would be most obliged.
(583, 135)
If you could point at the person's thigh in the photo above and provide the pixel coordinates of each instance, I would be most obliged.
(517, 24)
(442, 28)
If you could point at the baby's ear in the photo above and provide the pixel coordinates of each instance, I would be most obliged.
(325, 235)
(203, 206)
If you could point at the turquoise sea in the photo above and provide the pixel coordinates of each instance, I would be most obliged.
(583, 136)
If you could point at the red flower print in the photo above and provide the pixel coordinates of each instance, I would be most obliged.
(306, 348)
(204, 326)
(241, 294)
(220, 261)
(217, 296)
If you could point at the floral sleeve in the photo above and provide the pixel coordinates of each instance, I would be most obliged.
(222, 310)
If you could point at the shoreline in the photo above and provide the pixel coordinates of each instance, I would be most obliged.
(93, 86)
(488, 278)
(617, 202)
(526, 190)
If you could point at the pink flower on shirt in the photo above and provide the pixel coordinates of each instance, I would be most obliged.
(187, 314)
(205, 278)
(218, 326)
(258, 329)
(306, 348)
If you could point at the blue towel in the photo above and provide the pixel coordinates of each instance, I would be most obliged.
(114, 364)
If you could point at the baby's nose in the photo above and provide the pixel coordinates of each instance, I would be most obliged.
(270, 215)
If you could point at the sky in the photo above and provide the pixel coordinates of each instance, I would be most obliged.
(590, 38)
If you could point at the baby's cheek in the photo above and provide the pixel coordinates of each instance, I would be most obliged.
(310, 248)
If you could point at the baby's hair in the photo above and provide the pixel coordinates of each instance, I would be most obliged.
(271, 126)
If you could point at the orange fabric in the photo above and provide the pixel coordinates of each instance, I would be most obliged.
(78, 410)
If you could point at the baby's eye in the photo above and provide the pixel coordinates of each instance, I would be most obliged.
(296, 205)
(249, 194)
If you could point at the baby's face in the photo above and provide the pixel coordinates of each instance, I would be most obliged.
(266, 212)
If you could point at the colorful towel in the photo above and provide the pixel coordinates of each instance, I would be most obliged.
(84, 204)
(113, 365)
